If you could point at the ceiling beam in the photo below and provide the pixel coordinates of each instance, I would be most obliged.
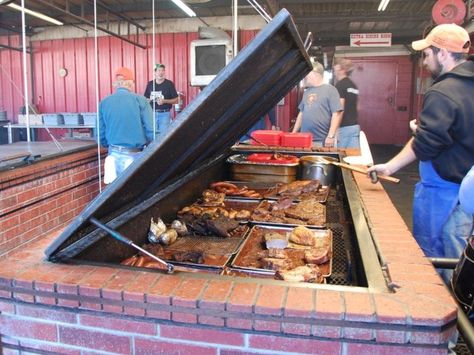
(84, 20)
(118, 14)
(362, 18)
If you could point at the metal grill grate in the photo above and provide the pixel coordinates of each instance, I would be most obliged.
(340, 263)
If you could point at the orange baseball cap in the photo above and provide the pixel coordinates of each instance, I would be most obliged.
(126, 73)
(447, 36)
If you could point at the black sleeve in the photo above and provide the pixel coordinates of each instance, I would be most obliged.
(147, 91)
(433, 135)
(172, 91)
(341, 89)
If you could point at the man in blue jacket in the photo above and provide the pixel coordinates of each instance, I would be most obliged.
(443, 143)
(125, 124)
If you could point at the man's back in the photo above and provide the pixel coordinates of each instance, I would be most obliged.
(127, 119)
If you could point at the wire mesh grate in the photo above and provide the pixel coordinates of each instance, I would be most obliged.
(340, 262)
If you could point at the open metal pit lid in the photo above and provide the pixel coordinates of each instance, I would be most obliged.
(253, 82)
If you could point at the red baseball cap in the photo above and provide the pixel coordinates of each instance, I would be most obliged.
(126, 73)
(447, 36)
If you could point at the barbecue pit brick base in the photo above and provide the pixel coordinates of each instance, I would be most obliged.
(73, 309)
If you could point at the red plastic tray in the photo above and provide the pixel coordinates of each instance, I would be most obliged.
(298, 140)
(267, 137)
(272, 158)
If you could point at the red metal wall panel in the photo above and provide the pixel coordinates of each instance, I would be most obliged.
(77, 91)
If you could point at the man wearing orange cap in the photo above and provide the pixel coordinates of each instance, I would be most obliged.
(443, 142)
(125, 124)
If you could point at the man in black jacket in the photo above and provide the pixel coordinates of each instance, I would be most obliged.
(443, 142)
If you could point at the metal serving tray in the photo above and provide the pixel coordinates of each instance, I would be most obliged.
(276, 222)
(247, 259)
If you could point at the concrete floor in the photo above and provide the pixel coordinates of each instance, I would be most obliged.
(401, 193)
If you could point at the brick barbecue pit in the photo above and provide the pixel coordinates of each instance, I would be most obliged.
(76, 308)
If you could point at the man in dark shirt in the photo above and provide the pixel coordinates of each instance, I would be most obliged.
(443, 143)
(162, 95)
(348, 133)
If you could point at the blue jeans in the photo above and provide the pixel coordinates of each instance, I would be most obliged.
(348, 137)
(163, 120)
(123, 160)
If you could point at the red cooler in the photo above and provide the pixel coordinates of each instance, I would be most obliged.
(297, 140)
(266, 137)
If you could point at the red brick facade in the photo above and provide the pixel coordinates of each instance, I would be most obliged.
(39, 198)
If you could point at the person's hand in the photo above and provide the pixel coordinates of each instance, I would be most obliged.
(413, 125)
(160, 100)
(383, 169)
(329, 141)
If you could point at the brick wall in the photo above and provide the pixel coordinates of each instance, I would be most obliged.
(38, 198)
(85, 309)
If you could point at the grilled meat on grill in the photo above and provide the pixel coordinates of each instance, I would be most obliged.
(302, 236)
(275, 240)
(212, 198)
(306, 273)
(277, 264)
(204, 225)
(316, 256)
(196, 257)
(273, 253)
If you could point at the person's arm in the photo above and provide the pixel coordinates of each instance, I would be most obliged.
(172, 94)
(102, 136)
(336, 119)
(335, 103)
(297, 125)
(146, 116)
(147, 91)
(402, 159)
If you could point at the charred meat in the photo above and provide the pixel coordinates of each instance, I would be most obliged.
(196, 257)
(306, 273)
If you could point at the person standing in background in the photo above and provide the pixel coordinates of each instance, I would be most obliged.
(348, 133)
(320, 109)
(162, 95)
(125, 124)
(443, 143)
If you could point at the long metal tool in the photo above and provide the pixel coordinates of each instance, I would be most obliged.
(123, 239)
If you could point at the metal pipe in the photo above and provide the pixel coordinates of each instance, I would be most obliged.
(116, 235)
(466, 328)
(444, 263)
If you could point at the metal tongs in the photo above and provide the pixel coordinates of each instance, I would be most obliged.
(125, 240)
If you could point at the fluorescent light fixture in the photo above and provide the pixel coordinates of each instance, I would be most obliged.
(35, 14)
(185, 8)
(383, 5)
